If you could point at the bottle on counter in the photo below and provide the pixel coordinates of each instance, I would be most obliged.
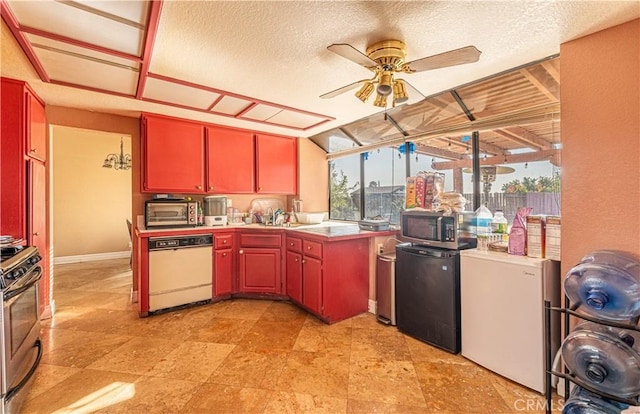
(200, 215)
(499, 223)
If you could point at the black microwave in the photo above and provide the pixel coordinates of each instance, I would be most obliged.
(437, 229)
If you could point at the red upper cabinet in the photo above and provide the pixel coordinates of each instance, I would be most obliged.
(173, 155)
(276, 165)
(22, 115)
(230, 161)
(37, 125)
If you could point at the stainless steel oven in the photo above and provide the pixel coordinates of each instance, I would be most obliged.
(19, 338)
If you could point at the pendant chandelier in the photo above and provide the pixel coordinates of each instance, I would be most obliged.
(120, 161)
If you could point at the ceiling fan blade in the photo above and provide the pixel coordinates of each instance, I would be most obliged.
(414, 94)
(342, 90)
(460, 56)
(349, 52)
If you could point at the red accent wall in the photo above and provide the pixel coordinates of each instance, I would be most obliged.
(600, 103)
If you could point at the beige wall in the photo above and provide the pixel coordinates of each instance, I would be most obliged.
(313, 176)
(90, 203)
(600, 102)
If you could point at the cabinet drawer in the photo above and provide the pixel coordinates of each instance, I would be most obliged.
(312, 248)
(260, 240)
(223, 241)
(294, 245)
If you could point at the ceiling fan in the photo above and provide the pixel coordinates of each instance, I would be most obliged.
(387, 58)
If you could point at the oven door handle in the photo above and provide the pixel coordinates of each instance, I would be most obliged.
(37, 274)
(13, 391)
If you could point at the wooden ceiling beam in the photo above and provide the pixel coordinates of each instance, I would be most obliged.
(525, 137)
(540, 85)
(438, 152)
(551, 70)
(552, 154)
(485, 147)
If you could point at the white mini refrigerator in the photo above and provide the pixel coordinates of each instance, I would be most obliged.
(502, 313)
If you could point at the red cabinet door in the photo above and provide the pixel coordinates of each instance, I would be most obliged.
(276, 165)
(230, 161)
(173, 156)
(38, 223)
(37, 128)
(260, 270)
(294, 276)
(312, 284)
(223, 270)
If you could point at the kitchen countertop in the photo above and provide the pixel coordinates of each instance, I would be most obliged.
(327, 230)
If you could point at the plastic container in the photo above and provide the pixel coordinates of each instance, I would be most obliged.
(606, 284)
(499, 223)
(582, 401)
(604, 357)
(481, 222)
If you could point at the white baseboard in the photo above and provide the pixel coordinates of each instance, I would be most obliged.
(134, 296)
(373, 306)
(91, 257)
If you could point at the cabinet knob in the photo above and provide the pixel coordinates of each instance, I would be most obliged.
(224, 241)
(34, 150)
(36, 234)
(210, 187)
(199, 187)
(296, 260)
(259, 188)
(308, 247)
(304, 261)
(241, 252)
(224, 255)
(291, 244)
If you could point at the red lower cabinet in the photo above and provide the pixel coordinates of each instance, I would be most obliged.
(223, 270)
(260, 270)
(312, 284)
(294, 276)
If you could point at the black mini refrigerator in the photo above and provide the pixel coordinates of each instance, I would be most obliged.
(428, 295)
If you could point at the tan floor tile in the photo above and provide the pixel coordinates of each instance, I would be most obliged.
(79, 349)
(390, 382)
(176, 325)
(368, 321)
(272, 335)
(383, 344)
(192, 361)
(249, 309)
(217, 398)
(47, 376)
(100, 320)
(372, 407)
(315, 338)
(521, 398)
(283, 311)
(247, 368)
(155, 395)
(83, 392)
(423, 352)
(138, 356)
(222, 331)
(443, 384)
(313, 321)
(316, 373)
(291, 402)
(103, 300)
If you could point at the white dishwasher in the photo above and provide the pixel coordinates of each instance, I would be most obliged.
(502, 313)
(180, 270)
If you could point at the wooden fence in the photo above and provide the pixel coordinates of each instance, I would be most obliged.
(541, 203)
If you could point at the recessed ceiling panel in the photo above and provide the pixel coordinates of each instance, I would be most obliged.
(176, 93)
(134, 11)
(66, 48)
(60, 19)
(296, 119)
(261, 112)
(83, 72)
(230, 105)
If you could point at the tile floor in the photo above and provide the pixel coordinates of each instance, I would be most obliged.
(242, 356)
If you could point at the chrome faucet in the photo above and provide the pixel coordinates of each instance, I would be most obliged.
(270, 216)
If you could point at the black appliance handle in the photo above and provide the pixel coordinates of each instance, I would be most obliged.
(13, 391)
(34, 279)
(421, 251)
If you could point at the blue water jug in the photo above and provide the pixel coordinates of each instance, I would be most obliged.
(606, 284)
(582, 401)
(604, 357)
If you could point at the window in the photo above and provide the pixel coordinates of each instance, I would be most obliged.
(384, 184)
(344, 188)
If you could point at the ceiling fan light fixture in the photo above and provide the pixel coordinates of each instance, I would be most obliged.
(365, 92)
(399, 92)
(384, 86)
(381, 101)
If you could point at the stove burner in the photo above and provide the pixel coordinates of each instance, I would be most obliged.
(7, 252)
(16, 262)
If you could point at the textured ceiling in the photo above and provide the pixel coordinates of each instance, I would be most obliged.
(275, 52)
